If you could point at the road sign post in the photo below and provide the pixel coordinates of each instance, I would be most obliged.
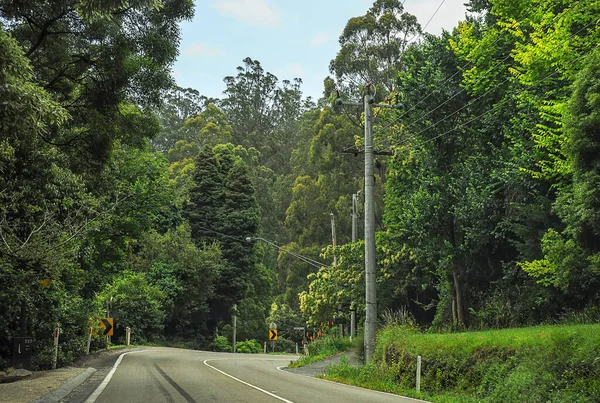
(418, 382)
(89, 341)
(273, 335)
(55, 358)
(107, 324)
(128, 336)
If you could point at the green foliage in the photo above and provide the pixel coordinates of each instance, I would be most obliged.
(322, 348)
(532, 364)
(220, 343)
(249, 347)
(570, 262)
(370, 376)
(95, 59)
(186, 274)
(487, 212)
(283, 345)
(372, 46)
(262, 112)
(538, 363)
(223, 208)
(135, 304)
(337, 285)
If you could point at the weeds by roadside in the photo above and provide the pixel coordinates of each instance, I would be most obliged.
(546, 363)
(321, 349)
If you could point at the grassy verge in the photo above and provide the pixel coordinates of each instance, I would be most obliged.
(537, 364)
(321, 349)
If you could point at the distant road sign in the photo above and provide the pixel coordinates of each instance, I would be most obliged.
(107, 324)
(273, 334)
(298, 328)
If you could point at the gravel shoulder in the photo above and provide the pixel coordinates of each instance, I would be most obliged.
(40, 383)
(37, 385)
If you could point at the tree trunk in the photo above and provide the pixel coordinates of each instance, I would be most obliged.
(460, 309)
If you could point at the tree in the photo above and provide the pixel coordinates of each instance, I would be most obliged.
(179, 105)
(262, 112)
(571, 255)
(186, 274)
(222, 207)
(373, 46)
(135, 304)
(94, 57)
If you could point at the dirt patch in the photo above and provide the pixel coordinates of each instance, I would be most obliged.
(37, 385)
(43, 382)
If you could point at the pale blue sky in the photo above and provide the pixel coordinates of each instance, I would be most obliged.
(290, 38)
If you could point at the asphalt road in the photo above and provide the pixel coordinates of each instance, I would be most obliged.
(175, 375)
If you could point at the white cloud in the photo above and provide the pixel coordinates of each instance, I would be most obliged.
(320, 38)
(253, 12)
(202, 49)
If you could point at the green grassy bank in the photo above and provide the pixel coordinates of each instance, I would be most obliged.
(323, 348)
(537, 364)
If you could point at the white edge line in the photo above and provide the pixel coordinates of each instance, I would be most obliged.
(354, 386)
(106, 380)
(246, 383)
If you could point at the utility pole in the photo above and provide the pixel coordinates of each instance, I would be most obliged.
(354, 239)
(370, 264)
(333, 238)
(234, 325)
(370, 267)
(355, 216)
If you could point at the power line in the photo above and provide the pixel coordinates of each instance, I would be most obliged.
(483, 95)
(491, 110)
(397, 120)
(428, 22)
(310, 261)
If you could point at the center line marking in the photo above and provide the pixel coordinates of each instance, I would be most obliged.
(247, 384)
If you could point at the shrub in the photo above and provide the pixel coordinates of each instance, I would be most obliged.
(220, 343)
(285, 346)
(248, 346)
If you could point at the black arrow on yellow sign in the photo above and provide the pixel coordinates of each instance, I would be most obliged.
(273, 334)
(107, 324)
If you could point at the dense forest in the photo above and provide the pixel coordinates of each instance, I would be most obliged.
(175, 211)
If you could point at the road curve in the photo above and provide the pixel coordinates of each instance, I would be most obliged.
(188, 376)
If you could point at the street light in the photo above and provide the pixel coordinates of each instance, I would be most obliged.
(308, 260)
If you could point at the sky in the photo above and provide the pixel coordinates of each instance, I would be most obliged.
(290, 38)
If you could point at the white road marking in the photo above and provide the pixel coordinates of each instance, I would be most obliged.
(281, 368)
(246, 383)
(106, 380)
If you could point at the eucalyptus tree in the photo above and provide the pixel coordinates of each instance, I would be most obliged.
(373, 47)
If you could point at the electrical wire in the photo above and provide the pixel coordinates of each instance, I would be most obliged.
(426, 25)
(310, 261)
(491, 110)
(481, 96)
(397, 120)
